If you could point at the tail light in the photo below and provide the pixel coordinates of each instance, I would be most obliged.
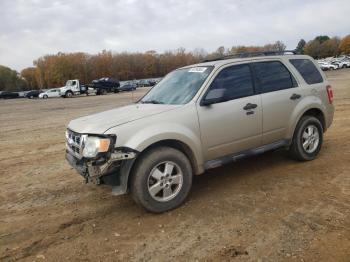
(330, 94)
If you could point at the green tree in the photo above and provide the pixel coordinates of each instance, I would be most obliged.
(300, 47)
(322, 38)
(10, 80)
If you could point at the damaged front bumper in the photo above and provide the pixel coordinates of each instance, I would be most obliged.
(112, 170)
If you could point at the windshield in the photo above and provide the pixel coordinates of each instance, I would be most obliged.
(178, 87)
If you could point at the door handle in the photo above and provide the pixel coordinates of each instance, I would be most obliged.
(250, 106)
(295, 96)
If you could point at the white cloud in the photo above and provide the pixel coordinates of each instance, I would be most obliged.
(32, 28)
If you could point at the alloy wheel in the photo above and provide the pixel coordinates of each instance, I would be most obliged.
(165, 181)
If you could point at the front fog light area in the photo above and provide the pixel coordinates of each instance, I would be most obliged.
(95, 145)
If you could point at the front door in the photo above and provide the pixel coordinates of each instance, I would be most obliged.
(235, 123)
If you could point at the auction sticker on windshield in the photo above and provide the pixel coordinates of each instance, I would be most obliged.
(197, 69)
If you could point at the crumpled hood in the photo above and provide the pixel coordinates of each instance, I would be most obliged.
(101, 122)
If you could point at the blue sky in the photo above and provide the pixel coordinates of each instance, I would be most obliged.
(32, 28)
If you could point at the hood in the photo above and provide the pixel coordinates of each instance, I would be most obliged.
(101, 122)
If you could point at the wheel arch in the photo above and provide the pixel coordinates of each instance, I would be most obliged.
(312, 111)
(176, 144)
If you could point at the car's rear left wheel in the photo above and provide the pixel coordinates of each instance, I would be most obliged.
(307, 139)
(161, 180)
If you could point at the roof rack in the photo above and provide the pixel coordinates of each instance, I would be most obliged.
(253, 54)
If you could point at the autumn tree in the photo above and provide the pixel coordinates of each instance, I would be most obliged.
(344, 46)
(322, 46)
(29, 75)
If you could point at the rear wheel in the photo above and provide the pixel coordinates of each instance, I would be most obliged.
(307, 139)
(161, 180)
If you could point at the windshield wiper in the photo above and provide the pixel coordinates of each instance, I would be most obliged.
(151, 102)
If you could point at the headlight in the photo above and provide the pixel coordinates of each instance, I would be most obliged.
(94, 145)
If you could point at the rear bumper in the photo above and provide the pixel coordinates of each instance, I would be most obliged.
(330, 116)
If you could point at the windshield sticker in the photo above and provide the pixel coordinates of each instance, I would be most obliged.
(197, 69)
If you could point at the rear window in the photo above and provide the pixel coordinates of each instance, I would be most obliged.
(308, 70)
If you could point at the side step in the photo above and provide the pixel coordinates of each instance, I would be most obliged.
(246, 153)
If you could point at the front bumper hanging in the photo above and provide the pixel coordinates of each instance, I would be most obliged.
(113, 171)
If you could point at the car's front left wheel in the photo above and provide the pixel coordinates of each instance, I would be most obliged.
(161, 179)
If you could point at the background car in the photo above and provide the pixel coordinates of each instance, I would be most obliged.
(327, 66)
(50, 93)
(8, 95)
(143, 82)
(33, 93)
(128, 86)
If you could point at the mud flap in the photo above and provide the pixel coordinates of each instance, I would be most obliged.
(124, 173)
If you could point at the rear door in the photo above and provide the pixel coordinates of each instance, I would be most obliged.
(230, 126)
(279, 95)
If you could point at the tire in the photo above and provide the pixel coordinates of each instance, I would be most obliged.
(344, 66)
(307, 139)
(45, 97)
(69, 94)
(155, 189)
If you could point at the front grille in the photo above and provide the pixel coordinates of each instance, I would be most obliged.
(74, 143)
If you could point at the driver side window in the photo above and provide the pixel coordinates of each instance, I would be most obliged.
(236, 81)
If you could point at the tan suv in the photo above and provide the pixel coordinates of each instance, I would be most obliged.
(200, 117)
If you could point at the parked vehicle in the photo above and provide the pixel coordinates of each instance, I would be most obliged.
(327, 66)
(152, 82)
(73, 87)
(33, 94)
(55, 92)
(128, 86)
(8, 95)
(342, 64)
(105, 85)
(143, 83)
(200, 117)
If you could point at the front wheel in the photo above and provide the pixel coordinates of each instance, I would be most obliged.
(307, 139)
(161, 180)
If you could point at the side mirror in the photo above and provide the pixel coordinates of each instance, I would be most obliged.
(213, 96)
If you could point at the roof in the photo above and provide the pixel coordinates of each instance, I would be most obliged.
(248, 57)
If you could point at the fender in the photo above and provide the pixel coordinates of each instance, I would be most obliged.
(309, 102)
(148, 135)
(170, 131)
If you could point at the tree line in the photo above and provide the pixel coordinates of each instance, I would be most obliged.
(54, 70)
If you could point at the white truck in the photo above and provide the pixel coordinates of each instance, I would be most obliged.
(73, 87)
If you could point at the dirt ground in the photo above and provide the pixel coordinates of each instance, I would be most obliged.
(265, 208)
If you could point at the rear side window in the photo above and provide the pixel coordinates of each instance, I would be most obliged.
(236, 80)
(308, 70)
(273, 76)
